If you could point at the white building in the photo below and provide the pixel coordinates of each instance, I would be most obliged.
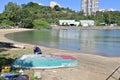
(76, 23)
(89, 7)
(53, 4)
(106, 10)
(86, 23)
(69, 22)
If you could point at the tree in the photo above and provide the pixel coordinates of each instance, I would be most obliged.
(6, 22)
(25, 14)
(11, 12)
(41, 24)
(57, 8)
(26, 19)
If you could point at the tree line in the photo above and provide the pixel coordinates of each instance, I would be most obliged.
(33, 15)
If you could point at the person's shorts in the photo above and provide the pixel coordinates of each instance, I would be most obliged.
(39, 53)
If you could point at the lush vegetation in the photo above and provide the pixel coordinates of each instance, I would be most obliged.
(33, 15)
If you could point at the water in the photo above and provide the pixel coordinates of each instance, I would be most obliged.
(99, 42)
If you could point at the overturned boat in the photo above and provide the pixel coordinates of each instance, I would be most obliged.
(43, 61)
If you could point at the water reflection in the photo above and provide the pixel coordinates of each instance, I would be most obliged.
(101, 42)
(88, 41)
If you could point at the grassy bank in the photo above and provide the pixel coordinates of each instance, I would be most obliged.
(8, 55)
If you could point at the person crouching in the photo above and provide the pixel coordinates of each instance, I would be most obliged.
(37, 50)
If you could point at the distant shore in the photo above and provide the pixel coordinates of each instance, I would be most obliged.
(86, 28)
(90, 67)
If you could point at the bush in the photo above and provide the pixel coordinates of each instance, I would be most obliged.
(41, 24)
(6, 23)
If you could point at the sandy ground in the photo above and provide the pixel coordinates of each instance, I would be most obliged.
(90, 67)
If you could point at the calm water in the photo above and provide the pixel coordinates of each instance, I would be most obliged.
(100, 42)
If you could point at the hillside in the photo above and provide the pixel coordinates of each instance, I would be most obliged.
(30, 14)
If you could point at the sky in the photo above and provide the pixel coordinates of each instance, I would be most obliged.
(72, 4)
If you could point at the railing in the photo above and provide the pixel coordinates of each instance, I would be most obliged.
(112, 75)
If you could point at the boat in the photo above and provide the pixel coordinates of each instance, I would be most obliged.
(43, 61)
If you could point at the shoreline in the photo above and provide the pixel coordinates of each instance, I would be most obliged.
(90, 67)
(86, 28)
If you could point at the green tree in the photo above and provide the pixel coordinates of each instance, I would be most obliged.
(11, 12)
(6, 22)
(41, 24)
(99, 18)
(26, 19)
(57, 8)
(27, 14)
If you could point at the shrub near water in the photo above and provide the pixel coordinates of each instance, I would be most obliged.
(41, 24)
